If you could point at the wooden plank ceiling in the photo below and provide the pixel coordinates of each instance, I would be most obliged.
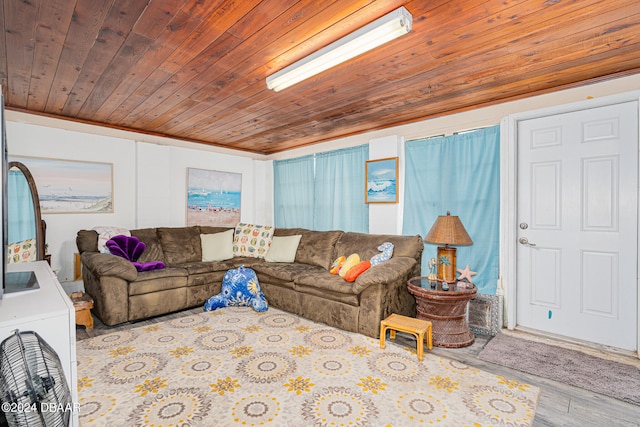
(195, 69)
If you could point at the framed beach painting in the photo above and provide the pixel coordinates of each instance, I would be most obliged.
(71, 186)
(213, 197)
(382, 181)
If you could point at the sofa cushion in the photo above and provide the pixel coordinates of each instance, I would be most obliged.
(155, 303)
(237, 261)
(325, 294)
(180, 245)
(158, 280)
(209, 280)
(154, 248)
(315, 248)
(324, 280)
(207, 267)
(366, 245)
(217, 246)
(285, 271)
(283, 248)
(326, 285)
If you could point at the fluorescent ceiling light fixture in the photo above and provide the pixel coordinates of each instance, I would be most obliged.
(380, 31)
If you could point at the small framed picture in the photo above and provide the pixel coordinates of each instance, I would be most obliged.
(382, 181)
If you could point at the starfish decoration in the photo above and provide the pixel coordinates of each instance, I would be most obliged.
(466, 273)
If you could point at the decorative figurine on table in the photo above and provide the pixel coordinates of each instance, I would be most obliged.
(464, 280)
(432, 277)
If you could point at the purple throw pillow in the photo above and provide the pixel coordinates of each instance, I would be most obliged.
(130, 248)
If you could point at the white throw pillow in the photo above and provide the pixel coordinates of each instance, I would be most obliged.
(283, 248)
(217, 246)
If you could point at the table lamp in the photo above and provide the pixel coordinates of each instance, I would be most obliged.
(447, 230)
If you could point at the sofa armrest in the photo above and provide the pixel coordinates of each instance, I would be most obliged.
(109, 265)
(387, 272)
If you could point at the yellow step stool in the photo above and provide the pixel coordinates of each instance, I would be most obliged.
(421, 329)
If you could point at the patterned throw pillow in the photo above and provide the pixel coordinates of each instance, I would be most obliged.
(252, 240)
(24, 251)
(105, 233)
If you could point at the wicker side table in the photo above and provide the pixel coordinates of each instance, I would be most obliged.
(446, 310)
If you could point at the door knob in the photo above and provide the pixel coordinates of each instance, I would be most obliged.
(525, 241)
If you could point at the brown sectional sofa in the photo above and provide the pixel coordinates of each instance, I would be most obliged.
(304, 287)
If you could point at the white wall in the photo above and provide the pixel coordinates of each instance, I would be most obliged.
(386, 218)
(39, 141)
(149, 180)
(162, 186)
(150, 172)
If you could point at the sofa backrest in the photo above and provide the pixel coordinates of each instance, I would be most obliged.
(366, 245)
(180, 244)
(154, 251)
(315, 248)
(87, 241)
(210, 229)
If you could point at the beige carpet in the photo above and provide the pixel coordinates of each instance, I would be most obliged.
(234, 366)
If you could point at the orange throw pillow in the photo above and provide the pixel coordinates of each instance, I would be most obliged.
(357, 270)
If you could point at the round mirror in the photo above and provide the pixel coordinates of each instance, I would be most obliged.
(24, 220)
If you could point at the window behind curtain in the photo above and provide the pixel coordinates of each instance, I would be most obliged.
(293, 192)
(339, 190)
(322, 192)
(460, 174)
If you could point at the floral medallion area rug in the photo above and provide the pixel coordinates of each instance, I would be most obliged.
(234, 366)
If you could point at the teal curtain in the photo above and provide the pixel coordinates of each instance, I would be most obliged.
(293, 192)
(460, 174)
(20, 209)
(322, 192)
(339, 190)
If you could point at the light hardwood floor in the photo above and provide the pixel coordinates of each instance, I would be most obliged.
(559, 405)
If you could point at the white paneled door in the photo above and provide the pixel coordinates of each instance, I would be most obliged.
(577, 225)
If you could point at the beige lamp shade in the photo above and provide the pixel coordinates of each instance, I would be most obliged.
(448, 230)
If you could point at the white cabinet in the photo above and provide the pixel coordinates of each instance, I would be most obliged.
(47, 311)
